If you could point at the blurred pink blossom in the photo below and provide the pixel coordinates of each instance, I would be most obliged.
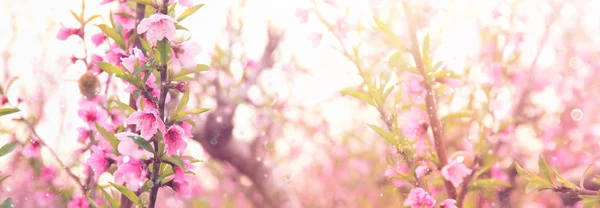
(455, 171)
(131, 172)
(448, 203)
(413, 89)
(419, 198)
(64, 33)
(98, 39)
(32, 149)
(79, 202)
(184, 55)
(136, 56)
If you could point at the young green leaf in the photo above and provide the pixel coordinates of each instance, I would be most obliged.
(359, 95)
(534, 185)
(179, 27)
(487, 183)
(77, 17)
(523, 173)
(457, 115)
(183, 78)
(112, 139)
(184, 100)
(164, 50)
(383, 133)
(7, 148)
(189, 12)
(92, 202)
(7, 203)
(583, 175)
(128, 193)
(114, 34)
(113, 203)
(143, 143)
(564, 182)
(124, 107)
(4, 178)
(111, 69)
(174, 160)
(545, 169)
(198, 111)
(6, 111)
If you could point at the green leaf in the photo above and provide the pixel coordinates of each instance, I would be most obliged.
(389, 161)
(111, 69)
(534, 185)
(189, 12)
(124, 107)
(112, 139)
(145, 2)
(446, 74)
(113, 203)
(92, 18)
(128, 193)
(198, 111)
(175, 160)
(112, 33)
(143, 143)
(359, 95)
(457, 115)
(164, 50)
(183, 78)
(426, 58)
(487, 183)
(564, 182)
(92, 202)
(4, 178)
(171, 7)
(545, 169)
(184, 100)
(145, 45)
(7, 203)
(523, 173)
(125, 14)
(7, 148)
(77, 17)
(202, 67)
(179, 27)
(583, 175)
(383, 133)
(6, 111)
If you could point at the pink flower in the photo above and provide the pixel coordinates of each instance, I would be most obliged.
(91, 112)
(413, 89)
(126, 22)
(115, 54)
(495, 75)
(184, 55)
(98, 39)
(136, 56)
(157, 27)
(95, 68)
(455, 171)
(65, 33)
(187, 129)
(448, 203)
(78, 202)
(97, 160)
(174, 143)
(418, 198)
(128, 147)
(302, 14)
(421, 170)
(32, 149)
(48, 174)
(131, 172)
(83, 135)
(186, 3)
(147, 121)
(117, 117)
(181, 185)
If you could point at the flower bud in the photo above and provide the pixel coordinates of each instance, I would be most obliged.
(466, 157)
(3, 100)
(89, 85)
(181, 87)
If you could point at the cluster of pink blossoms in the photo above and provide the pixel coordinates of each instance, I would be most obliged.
(418, 198)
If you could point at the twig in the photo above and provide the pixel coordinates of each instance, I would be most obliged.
(434, 121)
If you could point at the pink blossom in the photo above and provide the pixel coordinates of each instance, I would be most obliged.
(97, 160)
(302, 14)
(174, 143)
(157, 27)
(413, 89)
(115, 54)
(418, 198)
(184, 55)
(78, 202)
(117, 117)
(91, 112)
(126, 22)
(131, 172)
(187, 129)
(448, 203)
(128, 147)
(147, 121)
(186, 3)
(65, 33)
(136, 56)
(188, 165)
(32, 149)
(83, 135)
(181, 184)
(455, 171)
(98, 39)
(95, 68)
(421, 170)
(48, 174)
(495, 75)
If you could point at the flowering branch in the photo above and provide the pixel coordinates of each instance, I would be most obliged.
(430, 102)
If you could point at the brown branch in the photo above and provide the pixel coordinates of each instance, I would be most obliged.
(430, 102)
